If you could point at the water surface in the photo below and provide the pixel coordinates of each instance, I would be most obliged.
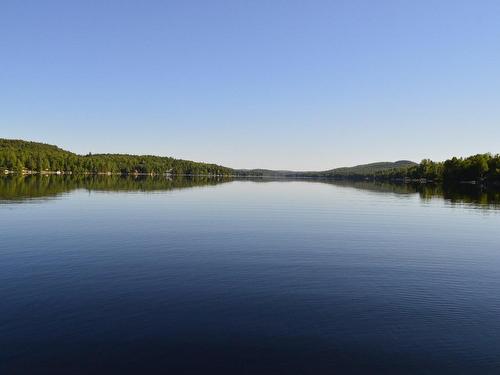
(116, 275)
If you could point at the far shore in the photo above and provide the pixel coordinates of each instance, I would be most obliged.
(60, 173)
(274, 177)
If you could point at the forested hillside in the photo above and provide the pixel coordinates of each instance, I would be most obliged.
(18, 156)
(359, 171)
(476, 168)
(368, 169)
(23, 156)
(479, 168)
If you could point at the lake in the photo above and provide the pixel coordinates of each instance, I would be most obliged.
(157, 275)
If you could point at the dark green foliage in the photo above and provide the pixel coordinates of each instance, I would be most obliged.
(17, 155)
(477, 168)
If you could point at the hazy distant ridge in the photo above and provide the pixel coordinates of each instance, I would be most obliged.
(358, 170)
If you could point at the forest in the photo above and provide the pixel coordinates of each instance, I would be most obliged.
(32, 157)
(479, 168)
(28, 157)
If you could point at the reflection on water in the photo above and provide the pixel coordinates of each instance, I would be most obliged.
(26, 188)
(19, 188)
(473, 195)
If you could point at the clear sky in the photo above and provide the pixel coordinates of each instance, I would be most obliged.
(303, 85)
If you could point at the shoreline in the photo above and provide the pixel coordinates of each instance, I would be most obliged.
(422, 181)
(69, 173)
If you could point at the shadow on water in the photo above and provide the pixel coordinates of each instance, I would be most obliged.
(28, 188)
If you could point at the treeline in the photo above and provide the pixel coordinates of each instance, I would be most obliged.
(358, 171)
(32, 157)
(482, 168)
(477, 168)
(22, 156)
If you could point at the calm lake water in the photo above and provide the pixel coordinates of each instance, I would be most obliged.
(117, 275)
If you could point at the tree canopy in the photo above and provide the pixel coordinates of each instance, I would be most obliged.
(478, 168)
(17, 155)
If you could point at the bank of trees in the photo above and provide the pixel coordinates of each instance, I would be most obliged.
(18, 156)
(479, 168)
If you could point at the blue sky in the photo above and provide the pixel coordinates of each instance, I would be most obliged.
(303, 85)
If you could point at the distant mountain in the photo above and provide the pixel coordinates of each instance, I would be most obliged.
(362, 170)
(370, 169)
